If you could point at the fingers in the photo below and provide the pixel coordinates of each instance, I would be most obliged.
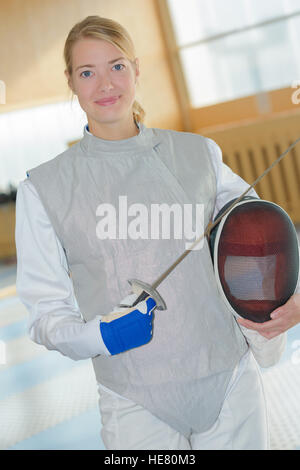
(283, 318)
(268, 329)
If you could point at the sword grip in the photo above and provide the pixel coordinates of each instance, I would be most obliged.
(143, 296)
(140, 298)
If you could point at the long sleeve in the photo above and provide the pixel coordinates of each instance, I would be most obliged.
(229, 185)
(44, 285)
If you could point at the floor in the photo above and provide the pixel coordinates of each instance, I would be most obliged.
(48, 401)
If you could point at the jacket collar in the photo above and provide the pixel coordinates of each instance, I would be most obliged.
(146, 139)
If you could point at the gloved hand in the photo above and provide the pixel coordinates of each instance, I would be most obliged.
(128, 328)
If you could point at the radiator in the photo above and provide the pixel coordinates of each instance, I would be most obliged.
(250, 148)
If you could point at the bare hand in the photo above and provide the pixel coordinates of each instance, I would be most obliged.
(283, 318)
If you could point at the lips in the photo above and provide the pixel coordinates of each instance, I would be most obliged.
(107, 101)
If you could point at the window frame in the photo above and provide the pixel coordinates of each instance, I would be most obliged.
(248, 108)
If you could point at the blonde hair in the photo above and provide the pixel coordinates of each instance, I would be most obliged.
(108, 30)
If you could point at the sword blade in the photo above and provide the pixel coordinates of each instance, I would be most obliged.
(211, 225)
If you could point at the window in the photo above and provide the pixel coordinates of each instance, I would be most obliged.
(236, 48)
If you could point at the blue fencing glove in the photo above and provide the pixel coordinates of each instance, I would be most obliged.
(128, 328)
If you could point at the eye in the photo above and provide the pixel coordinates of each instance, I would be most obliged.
(119, 67)
(85, 74)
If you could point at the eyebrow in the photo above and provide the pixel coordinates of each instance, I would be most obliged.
(91, 65)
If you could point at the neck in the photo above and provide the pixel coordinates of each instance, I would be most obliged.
(113, 131)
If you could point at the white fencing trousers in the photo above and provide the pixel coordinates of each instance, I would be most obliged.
(241, 424)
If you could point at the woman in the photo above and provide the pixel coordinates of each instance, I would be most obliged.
(186, 378)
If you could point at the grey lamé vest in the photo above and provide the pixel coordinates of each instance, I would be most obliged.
(181, 375)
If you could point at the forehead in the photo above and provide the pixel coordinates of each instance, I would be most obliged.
(94, 51)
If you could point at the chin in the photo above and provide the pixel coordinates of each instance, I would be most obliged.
(103, 120)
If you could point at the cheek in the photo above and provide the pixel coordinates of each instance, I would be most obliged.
(83, 89)
(86, 93)
(130, 92)
(127, 84)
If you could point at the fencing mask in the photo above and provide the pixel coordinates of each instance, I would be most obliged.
(255, 255)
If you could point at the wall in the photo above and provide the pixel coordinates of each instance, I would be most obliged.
(32, 35)
(263, 105)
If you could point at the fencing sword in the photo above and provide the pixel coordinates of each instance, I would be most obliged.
(151, 289)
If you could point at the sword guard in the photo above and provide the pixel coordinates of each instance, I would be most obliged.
(143, 290)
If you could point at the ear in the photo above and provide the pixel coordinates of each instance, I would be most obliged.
(137, 68)
(69, 79)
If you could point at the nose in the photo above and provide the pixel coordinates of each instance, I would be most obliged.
(105, 83)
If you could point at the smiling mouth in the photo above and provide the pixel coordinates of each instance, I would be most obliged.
(108, 101)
